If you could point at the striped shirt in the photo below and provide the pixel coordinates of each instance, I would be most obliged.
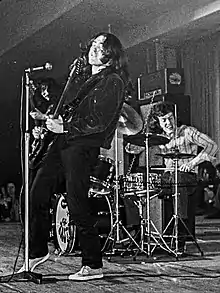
(187, 140)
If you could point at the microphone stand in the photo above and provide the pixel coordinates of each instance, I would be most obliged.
(26, 275)
(31, 276)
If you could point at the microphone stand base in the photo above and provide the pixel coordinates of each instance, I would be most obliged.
(23, 276)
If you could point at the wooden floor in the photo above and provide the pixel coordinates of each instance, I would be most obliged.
(159, 273)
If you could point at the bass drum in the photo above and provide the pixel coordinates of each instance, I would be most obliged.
(63, 233)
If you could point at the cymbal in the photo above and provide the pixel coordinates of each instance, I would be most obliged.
(176, 155)
(153, 139)
(130, 122)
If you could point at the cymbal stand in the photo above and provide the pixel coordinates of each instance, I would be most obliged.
(150, 229)
(115, 233)
(175, 217)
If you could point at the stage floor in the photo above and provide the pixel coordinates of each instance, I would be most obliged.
(159, 273)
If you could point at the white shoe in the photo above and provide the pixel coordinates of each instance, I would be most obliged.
(33, 263)
(86, 273)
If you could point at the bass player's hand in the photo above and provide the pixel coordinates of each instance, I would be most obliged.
(37, 131)
(55, 125)
(37, 115)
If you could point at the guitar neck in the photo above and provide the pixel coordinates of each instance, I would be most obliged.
(73, 73)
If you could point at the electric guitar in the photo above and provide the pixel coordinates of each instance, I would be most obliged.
(43, 144)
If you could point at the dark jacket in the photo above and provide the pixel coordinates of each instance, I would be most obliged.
(98, 104)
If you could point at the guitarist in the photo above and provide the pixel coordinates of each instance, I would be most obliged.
(97, 95)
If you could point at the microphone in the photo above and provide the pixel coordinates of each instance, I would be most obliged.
(46, 66)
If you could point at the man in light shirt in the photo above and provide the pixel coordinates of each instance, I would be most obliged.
(182, 140)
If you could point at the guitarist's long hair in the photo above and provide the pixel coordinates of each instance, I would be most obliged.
(114, 51)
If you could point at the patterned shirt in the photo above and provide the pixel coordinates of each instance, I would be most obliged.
(187, 140)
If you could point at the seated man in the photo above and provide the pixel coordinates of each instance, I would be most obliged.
(183, 140)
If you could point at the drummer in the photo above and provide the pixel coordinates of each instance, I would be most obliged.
(184, 144)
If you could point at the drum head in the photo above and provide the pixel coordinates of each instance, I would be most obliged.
(65, 233)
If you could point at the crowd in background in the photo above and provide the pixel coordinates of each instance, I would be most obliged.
(9, 203)
(208, 201)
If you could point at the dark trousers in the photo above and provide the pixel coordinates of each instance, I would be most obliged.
(75, 162)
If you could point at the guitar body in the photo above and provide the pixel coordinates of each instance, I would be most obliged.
(41, 148)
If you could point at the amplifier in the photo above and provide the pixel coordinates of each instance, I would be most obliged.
(165, 81)
(181, 101)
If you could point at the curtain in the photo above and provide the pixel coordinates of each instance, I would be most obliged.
(201, 62)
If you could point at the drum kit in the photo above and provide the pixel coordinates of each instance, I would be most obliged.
(110, 194)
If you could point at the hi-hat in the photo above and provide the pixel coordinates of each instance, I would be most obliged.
(176, 155)
(130, 122)
(153, 139)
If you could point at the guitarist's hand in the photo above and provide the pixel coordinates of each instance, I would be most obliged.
(55, 125)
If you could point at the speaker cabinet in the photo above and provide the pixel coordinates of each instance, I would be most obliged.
(161, 212)
(164, 81)
(157, 214)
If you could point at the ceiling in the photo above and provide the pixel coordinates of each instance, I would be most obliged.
(34, 32)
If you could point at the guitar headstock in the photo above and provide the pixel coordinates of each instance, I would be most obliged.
(77, 66)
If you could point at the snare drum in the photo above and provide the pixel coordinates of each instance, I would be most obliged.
(103, 174)
(154, 182)
(132, 182)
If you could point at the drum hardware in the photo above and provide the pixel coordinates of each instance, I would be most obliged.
(118, 229)
(136, 193)
(102, 176)
(153, 139)
(139, 199)
(155, 184)
(152, 233)
(148, 227)
(177, 220)
(131, 182)
(130, 123)
(175, 156)
(162, 169)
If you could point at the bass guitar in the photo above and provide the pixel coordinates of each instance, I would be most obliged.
(42, 145)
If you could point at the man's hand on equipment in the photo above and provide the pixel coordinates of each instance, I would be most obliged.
(55, 125)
